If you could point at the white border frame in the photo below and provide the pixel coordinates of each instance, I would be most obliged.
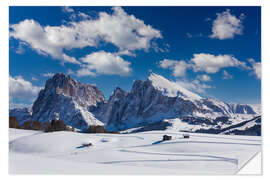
(5, 72)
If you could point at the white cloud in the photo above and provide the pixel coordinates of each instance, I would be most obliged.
(45, 40)
(178, 67)
(67, 9)
(194, 85)
(34, 79)
(70, 72)
(256, 67)
(75, 16)
(226, 75)
(22, 89)
(104, 63)
(202, 62)
(204, 77)
(48, 74)
(83, 16)
(212, 64)
(120, 29)
(226, 25)
(126, 53)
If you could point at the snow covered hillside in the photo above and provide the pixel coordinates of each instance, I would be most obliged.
(36, 152)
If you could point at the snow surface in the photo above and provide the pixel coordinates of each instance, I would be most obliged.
(35, 152)
(257, 108)
(88, 117)
(171, 89)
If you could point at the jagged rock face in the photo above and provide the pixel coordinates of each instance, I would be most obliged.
(72, 101)
(144, 104)
(157, 99)
(86, 95)
(113, 110)
(22, 114)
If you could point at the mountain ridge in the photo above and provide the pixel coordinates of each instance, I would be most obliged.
(151, 101)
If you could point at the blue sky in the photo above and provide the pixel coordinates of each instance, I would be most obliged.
(213, 51)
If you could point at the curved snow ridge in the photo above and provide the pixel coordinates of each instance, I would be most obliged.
(170, 88)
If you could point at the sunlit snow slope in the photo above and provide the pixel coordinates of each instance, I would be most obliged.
(35, 152)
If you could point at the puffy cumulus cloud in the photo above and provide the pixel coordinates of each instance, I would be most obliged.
(104, 63)
(226, 25)
(204, 77)
(123, 30)
(120, 29)
(256, 67)
(45, 40)
(202, 62)
(226, 75)
(195, 85)
(178, 67)
(22, 89)
(212, 64)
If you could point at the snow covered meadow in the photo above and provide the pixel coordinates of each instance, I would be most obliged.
(36, 152)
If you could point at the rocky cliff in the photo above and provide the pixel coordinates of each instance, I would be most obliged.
(70, 100)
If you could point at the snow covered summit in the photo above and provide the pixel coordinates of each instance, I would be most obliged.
(169, 88)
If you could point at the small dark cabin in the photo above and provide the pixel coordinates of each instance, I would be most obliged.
(167, 138)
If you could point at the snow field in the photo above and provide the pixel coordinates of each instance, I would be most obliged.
(139, 153)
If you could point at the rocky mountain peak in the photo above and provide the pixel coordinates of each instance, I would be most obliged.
(119, 93)
(65, 85)
(73, 101)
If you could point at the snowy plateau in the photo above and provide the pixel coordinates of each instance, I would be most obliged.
(222, 136)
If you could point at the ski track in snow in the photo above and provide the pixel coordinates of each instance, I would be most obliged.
(200, 142)
(116, 151)
(170, 160)
(219, 158)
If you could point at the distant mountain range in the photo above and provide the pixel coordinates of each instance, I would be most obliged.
(153, 104)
